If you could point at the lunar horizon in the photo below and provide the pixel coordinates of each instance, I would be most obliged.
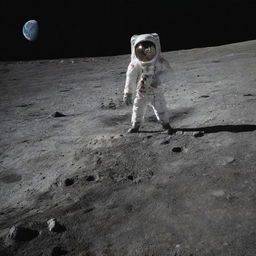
(70, 30)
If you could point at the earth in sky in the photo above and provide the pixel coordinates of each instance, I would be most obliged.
(30, 30)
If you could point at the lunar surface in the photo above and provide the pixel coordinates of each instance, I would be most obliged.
(72, 182)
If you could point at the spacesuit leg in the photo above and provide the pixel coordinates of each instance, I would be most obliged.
(158, 104)
(138, 112)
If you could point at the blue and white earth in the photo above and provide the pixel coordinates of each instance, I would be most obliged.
(30, 30)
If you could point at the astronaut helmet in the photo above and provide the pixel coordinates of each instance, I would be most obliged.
(145, 51)
(146, 47)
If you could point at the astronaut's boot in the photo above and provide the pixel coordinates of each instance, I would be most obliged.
(135, 128)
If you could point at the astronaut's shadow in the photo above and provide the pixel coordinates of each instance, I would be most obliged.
(220, 128)
(212, 129)
(145, 131)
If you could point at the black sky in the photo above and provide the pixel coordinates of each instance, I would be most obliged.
(102, 28)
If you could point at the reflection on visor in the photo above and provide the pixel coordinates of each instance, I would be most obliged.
(145, 51)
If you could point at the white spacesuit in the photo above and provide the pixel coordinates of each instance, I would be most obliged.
(147, 70)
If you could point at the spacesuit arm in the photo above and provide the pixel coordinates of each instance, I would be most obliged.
(131, 78)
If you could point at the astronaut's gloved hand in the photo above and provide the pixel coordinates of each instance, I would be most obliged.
(127, 98)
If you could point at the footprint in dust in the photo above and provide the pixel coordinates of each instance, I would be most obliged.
(9, 177)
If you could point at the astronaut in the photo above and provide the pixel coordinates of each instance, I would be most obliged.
(147, 71)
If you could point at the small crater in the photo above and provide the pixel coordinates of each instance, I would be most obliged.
(198, 134)
(69, 182)
(58, 114)
(149, 136)
(112, 105)
(123, 72)
(248, 95)
(90, 178)
(177, 149)
(130, 177)
(204, 96)
(58, 251)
